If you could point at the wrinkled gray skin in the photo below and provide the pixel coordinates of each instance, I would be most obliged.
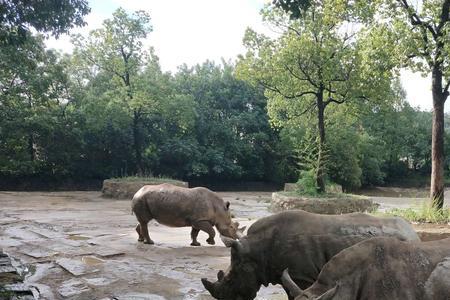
(437, 286)
(300, 241)
(176, 206)
(382, 268)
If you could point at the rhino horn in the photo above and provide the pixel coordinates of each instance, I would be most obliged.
(235, 244)
(240, 232)
(209, 286)
(290, 285)
(227, 241)
(328, 295)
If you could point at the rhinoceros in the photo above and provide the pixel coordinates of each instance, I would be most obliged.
(438, 284)
(382, 268)
(176, 206)
(300, 241)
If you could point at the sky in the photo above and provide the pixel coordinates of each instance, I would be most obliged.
(193, 31)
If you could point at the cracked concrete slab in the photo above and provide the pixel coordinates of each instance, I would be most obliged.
(73, 287)
(76, 266)
(37, 251)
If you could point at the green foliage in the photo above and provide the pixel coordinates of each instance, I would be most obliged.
(425, 214)
(19, 17)
(307, 183)
(315, 64)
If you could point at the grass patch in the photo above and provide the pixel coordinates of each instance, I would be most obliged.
(147, 179)
(425, 214)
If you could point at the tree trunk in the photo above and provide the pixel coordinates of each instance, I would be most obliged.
(437, 142)
(137, 143)
(31, 150)
(320, 172)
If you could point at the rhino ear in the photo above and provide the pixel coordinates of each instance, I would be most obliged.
(228, 242)
(227, 205)
(328, 295)
(220, 275)
(290, 285)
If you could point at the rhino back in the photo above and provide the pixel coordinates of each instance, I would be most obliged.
(381, 268)
(301, 222)
(174, 206)
(437, 286)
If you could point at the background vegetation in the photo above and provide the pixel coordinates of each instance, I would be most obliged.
(108, 110)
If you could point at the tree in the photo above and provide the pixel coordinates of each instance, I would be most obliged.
(33, 101)
(316, 63)
(231, 138)
(117, 48)
(17, 17)
(422, 33)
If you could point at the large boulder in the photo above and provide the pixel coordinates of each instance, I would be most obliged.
(328, 205)
(125, 189)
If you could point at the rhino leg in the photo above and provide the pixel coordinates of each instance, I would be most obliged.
(138, 230)
(144, 232)
(194, 234)
(206, 227)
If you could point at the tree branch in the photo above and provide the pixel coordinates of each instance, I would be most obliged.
(277, 90)
(447, 86)
(415, 19)
(445, 15)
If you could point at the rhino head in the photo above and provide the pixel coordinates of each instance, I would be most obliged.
(225, 226)
(240, 282)
(298, 294)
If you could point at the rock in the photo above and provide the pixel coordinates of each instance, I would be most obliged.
(290, 187)
(11, 281)
(322, 205)
(329, 188)
(122, 189)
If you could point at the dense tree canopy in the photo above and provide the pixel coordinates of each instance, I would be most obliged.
(320, 94)
(18, 17)
(317, 62)
(421, 30)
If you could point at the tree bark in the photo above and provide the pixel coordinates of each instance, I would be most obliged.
(320, 172)
(31, 150)
(437, 141)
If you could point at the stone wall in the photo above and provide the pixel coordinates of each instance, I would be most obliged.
(121, 189)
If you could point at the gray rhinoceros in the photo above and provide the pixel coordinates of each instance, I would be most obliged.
(300, 241)
(382, 268)
(176, 206)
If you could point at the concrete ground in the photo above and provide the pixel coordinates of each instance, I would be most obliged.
(78, 245)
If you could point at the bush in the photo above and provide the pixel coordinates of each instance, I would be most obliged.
(307, 183)
(426, 214)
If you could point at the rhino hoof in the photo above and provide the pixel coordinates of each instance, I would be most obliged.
(211, 241)
(195, 244)
(140, 240)
(150, 242)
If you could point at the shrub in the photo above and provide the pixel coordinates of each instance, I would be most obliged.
(425, 214)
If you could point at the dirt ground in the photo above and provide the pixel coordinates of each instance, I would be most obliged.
(78, 245)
